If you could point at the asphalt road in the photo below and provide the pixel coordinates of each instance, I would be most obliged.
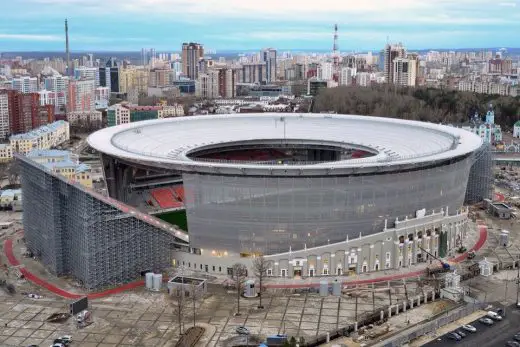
(487, 336)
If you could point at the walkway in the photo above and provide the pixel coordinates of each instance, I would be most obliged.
(8, 251)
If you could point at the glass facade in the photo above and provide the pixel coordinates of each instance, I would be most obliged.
(272, 214)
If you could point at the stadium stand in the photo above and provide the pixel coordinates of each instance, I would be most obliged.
(170, 197)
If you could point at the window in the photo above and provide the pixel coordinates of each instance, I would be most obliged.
(387, 256)
(219, 269)
(269, 272)
(213, 268)
(325, 271)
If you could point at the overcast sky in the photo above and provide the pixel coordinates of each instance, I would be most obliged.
(32, 25)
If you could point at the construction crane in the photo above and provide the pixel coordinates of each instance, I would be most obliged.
(444, 265)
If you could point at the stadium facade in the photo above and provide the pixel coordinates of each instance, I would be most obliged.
(313, 192)
(98, 241)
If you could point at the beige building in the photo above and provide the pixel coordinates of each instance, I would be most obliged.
(133, 78)
(64, 163)
(45, 137)
(207, 85)
(171, 111)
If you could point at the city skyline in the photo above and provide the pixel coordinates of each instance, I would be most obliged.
(164, 24)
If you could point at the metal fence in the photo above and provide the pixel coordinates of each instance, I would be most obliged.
(427, 328)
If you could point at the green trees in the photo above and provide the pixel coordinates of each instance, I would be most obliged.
(423, 104)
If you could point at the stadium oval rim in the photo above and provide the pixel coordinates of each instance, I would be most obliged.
(397, 144)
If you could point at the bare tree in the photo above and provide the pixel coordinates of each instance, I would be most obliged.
(239, 276)
(13, 172)
(196, 293)
(176, 300)
(260, 267)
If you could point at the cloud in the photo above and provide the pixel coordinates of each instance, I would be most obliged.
(30, 37)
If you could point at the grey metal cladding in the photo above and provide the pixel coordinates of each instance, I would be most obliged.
(273, 214)
(75, 234)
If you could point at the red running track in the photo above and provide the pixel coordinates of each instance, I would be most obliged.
(8, 250)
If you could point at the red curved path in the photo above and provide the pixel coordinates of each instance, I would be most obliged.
(8, 250)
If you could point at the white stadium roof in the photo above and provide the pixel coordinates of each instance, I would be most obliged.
(399, 144)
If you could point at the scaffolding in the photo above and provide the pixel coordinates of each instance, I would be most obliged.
(480, 181)
(75, 232)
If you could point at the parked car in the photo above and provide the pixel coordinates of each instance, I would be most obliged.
(512, 344)
(486, 321)
(66, 338)
(494, 315)
(460, 333)
(454, 336)
(242, 330)
(500, 311)
(470, 328)
(517, 337)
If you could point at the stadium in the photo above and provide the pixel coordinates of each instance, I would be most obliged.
(307, 185)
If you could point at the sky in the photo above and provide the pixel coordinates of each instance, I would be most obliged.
(129, 25)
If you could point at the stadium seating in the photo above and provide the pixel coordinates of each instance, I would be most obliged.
(178, 192)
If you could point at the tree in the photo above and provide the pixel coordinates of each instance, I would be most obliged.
(176, 300)
(13, 173)
(260, 267)
(195, 293)
(239, 276)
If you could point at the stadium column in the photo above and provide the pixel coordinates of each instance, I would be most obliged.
(118, 176)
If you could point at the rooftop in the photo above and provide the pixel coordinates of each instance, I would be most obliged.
(398, 144)
(45, 129)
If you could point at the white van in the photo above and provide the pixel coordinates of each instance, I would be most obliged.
(494, 315)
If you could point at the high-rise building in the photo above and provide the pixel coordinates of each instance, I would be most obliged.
(325, 71)
(269, 58)
(191, 54)
(400, 71)
(4, 114)
(253, 73)
(104, 77)
(25, 84)
(132, 78)
(81, 96)
(227, 83)
(392, 52)
(405, 71)
(159, 78)
(207, 85)
(346, 76)
(58, 85)
(88, 73)
(24, 112)
(114, 79)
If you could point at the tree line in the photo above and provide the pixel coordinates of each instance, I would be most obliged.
(422, 103)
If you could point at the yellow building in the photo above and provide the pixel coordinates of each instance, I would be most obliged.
(65, 164)
(44, 137)
(6, 153)
(133, 78)
(171, 111)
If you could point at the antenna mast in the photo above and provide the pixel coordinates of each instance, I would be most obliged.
(335, 55)
(67, 48)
